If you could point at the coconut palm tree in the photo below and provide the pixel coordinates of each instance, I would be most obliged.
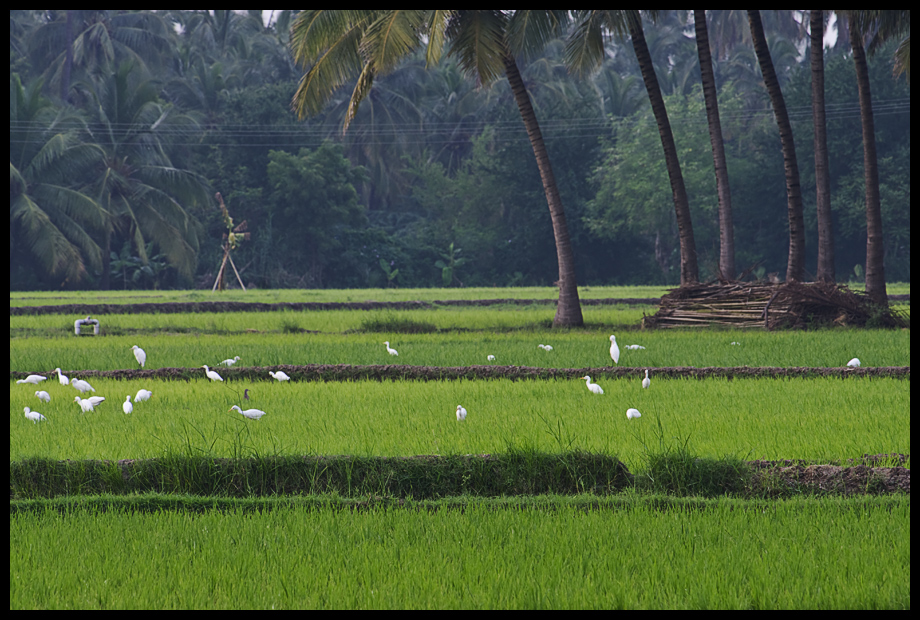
(795, 268)
(585, 50)
(341, 44)
(885, 25)
(50, 217)
(826, 272)
(146, 197)
(726, 229)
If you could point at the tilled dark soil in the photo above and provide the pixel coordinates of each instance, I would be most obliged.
(788, 475)
(389, 372)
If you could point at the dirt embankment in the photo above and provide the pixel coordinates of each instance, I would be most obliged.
(390, 372)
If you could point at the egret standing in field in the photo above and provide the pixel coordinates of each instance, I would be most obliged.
(461, 413)
(614, 350)
(635, 347)
(646, 382)
(252, 414)
(853, 363)
(632, 413)
(280, 375)
(34, 416)
(33, 379)
(43, 395)
(62, 377)
(231, 362)
(85, 405)
(139, 355)
(82, 386)
(142, 395)
(213, 376)
(389, 350)
(126, 406)
(595, 388)
(491, 358)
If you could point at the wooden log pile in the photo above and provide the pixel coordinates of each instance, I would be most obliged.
(793, 305)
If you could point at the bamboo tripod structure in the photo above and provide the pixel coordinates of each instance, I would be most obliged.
(223, 265)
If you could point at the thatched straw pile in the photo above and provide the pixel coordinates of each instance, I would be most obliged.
(770, 306)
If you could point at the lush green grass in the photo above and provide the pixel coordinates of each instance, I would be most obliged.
(792, 554)
(32, 298)
(571, 349)
(754, 418)
(497, 318)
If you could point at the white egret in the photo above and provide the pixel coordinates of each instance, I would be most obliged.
(735, 343)
(34, 416)
(126, 406)
(82, 386)
(646, 382)
(33, 379)
(634, 347)
(96, 400)
(853, 363)
(43, 395)
(280, 375)
(632, 413)
(614, 350)
(491, 358)
(389, 350)
(62, 377)
(252, 414)
(595, 388)
(545, 347)
(213, 376)
(142, 395)
(231, 362)
(85, 405)
(139, 355)
(461, 413)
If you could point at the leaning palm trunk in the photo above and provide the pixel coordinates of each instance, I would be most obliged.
(568, 311)
(726, 229)
(795, 269)
(875, 263)
(689, 273)
(826, 272)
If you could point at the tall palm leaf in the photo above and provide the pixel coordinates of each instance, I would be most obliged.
(50, 215)
(146, 197)
(795, 268)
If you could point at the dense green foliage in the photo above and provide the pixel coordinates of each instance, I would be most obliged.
(121, 194)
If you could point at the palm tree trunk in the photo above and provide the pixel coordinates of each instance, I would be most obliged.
(689, 272)
(568, 310)
(726, 229)
(875, 252)
(795, 268)
(826, 271)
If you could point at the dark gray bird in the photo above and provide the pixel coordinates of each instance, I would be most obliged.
(246, 393)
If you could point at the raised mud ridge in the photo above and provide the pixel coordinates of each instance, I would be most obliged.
(389, 372)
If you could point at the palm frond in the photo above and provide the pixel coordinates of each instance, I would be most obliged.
(479, 43)
(530, 31)
(391, 37)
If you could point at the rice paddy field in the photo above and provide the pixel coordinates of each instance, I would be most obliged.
(628, 548)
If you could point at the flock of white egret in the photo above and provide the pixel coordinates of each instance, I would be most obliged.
(89, 404)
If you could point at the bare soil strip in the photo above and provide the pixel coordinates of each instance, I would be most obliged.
(390, 372)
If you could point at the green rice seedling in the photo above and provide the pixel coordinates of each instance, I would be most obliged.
(820, 419)
(788, 555)
(571, 349)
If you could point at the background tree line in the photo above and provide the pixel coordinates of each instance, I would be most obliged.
(124, 124)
